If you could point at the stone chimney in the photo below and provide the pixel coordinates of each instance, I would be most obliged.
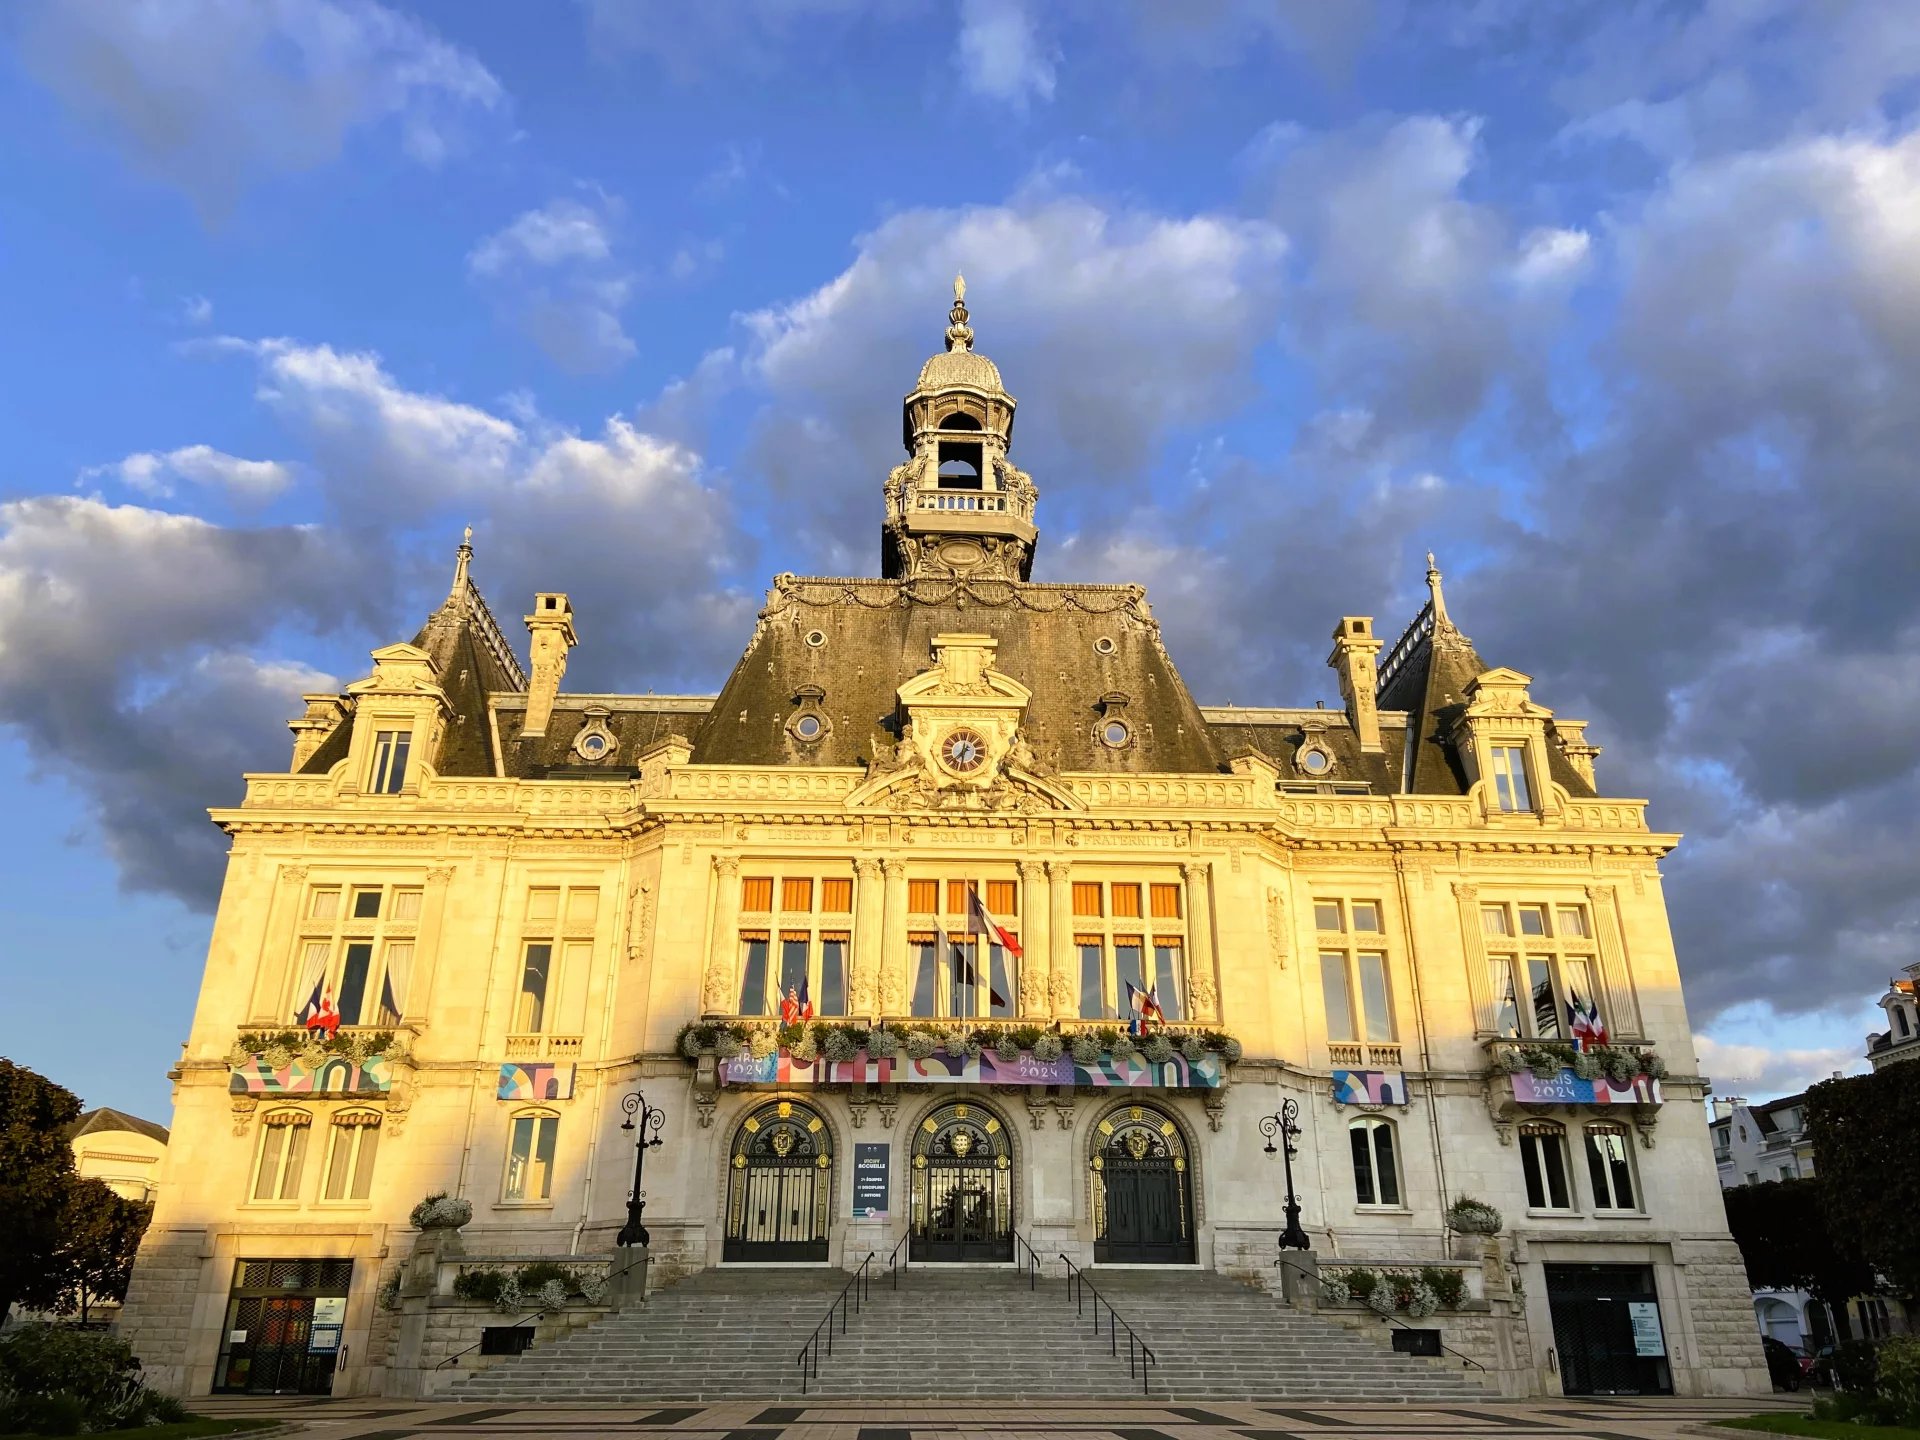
(1354, 646)
(1571, 737)
(551, 626)
(310, 731)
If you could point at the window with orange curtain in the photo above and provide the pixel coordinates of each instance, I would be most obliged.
(957, 896)
(1086, 898)
(1003, 898)
(1126, 901)
(1166, 902)
(836, 896)
(923, 896)
(756, 894)
(796, 895)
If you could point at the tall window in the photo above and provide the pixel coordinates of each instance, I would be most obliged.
(530, 1143)
(556, 950)
(1129, 933)
(794, 940)
(1543, 971)
(283, 1155)
(1543, 1158)
(356, 1138)
(355, 953)
(1353, 972)
(390, 761)
(1510, 789)
(1376, 1179)
(973, 976)
(530, 1009)
(1609, 1167)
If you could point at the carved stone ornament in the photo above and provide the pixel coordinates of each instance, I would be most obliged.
(596, 744)
(243, 1108)
(1277, 926)
(1215, 1104)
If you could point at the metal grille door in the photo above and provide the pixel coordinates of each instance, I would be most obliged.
(962, 1187)
(1140, 1199)
(1594, 1330)
(779, 1200)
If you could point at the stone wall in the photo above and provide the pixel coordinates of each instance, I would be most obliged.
(157, 1319)
(1726, 1341)
(453, 1326)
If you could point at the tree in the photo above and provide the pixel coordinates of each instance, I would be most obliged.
(1865, 1131)
(36, 1171)
(100, 1234)
(1790, 1243)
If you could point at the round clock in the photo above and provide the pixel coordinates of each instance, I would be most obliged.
(963, 750)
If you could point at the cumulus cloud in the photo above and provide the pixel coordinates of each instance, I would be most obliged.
(1001, 53)
(210, 94)
(553, 271)
(156, 474)
(1763, 1071)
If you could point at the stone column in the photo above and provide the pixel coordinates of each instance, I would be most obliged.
(275, 974)
(1473, 948)
(868, 936)
(1202, 989)
(1034, 932)
(893, 939)
(426, 947)
(1623, 1007)
(719, 995)
(1064, 984)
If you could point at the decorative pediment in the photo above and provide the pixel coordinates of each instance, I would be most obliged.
(399, 669)
(1503, 692)
(962, 716)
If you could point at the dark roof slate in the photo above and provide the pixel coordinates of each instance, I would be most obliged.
(1277, 735)
(94, 1122)
(636, 722)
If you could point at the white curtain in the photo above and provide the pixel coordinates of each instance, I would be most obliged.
(393, 995)
(313, 969)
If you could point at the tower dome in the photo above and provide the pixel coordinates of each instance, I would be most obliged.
(958, 507)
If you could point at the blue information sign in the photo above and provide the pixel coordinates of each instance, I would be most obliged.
(872, 1172)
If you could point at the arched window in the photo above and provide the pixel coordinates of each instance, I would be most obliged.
(1543, 1156)
(959, 420)
(1376, 1170)
(531, 1138)
(282, 1160)
(1610, 1166)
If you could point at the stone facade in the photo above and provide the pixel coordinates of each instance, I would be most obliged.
(512, 902)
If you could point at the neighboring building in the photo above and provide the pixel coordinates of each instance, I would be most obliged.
(122, 1150)
(1753, 1143)
(516, 899)
(1901, 1039)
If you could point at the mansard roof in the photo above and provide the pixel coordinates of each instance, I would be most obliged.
(1279, 735)
(106, 1119)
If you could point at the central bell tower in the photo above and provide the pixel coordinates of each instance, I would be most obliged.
(958, 507)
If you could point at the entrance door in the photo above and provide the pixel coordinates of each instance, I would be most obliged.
(1141, 1214)
(962, 1187)
(1607, 1330)
(780, 1187)
(271, 1345)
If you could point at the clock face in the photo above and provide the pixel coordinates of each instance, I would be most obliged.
(963, 750)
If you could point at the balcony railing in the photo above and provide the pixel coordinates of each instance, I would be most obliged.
(965, 500)
(1344, 1056)
(543, 1047)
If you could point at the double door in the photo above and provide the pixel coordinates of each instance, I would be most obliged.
(1607, 1330)
(283, 1327)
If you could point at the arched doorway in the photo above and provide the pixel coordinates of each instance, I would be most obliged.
(962, 1186)
(1142, 1190)
(779, 1186)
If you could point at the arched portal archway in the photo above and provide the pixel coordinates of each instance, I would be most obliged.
(779, 1185)
(1142, 1190)
(962, 1185)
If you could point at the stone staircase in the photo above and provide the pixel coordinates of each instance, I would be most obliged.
(950, 1333)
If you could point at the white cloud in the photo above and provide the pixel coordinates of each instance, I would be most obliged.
(559, 231)
(209, 94)
(1001, 54)
(196, 310)
(553, 272)
(1764, 1071)
(1550, 255)
(155, 474)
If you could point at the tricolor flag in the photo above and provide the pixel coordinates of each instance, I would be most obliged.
(963, 967)
(981, 922)
(1145, 1005)
(797, 1005)
(1584, 1023)
(318, 1013)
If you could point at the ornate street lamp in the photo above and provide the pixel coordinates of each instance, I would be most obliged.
(649, 1119)
(1285, 1124)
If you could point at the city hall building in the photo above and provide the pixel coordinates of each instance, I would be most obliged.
(871, 928)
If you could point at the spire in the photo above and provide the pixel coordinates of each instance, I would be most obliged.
(461, 565)
(1441, 620)
(959, 333)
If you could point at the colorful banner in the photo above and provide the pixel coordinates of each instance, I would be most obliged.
(940, 1068)
(535, 1080)
(1369, 1087)
(1567, 1088)
(335, 1075)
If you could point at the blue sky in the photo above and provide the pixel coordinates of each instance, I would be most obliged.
(1612, 304)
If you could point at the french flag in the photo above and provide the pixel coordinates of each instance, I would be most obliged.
(318, 1013)
(980, 922)
(1584, 1023)
(1145, 1005)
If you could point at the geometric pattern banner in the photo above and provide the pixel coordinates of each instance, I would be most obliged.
(1369, 1087)
(535, 1080)
(1567, 1088)
(940, 1068)
(335, 1075)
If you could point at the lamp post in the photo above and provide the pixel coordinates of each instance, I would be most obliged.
(1285, 1123)
(645, 1120)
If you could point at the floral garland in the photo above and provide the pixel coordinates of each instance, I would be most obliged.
(280, 1048)
(1620, 1064)
(843, 1040)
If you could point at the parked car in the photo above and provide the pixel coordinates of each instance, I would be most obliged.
(1783, 1365)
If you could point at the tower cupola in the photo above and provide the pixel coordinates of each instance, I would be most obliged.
(958, 506)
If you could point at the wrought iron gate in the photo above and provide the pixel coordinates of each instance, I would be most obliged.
(780, 1186)
(1594, 1332)
(1142, 1211)
(962, 1186)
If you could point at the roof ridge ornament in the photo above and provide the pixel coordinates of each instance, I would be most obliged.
(461, 565)
(959, 333)
(1441, 620)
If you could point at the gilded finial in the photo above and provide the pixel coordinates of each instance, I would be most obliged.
(460, 565)
(959, 288)
(1440, 617)
(959, 333)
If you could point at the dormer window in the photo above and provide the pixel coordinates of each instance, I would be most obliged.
(1510, 788)
(390, 749)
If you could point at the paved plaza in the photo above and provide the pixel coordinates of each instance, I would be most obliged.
(1564, 1419)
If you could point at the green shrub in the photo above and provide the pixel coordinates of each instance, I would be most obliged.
(1856, 1367)
(542, 1272)
(1899, 1377)
(484, 1285)
(1362, 1283)
(1448, 1286)
(57, 1380)
(1855, 1409)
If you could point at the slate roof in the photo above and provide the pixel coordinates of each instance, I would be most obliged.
(1277, 735)
(635, 721)
(94, 1122)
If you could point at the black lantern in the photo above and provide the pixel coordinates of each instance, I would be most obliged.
(645, 1120)
(1286, 1124)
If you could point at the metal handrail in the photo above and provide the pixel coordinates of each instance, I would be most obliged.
(1078, 1288)
(612, 1274)
(1392, 1319)
(808, 1359)
(1032, 1269)
(893, 1276)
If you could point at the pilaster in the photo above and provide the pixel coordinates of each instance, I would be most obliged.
(869, 912)
(718, 996)
(893, 979)
(1063, 985)
(1473, 947)
(1623, 1006)
(1203, 993)
(1035, 932)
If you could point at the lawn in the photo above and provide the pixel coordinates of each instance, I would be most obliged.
(185, 1430)
(1779, 1424)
